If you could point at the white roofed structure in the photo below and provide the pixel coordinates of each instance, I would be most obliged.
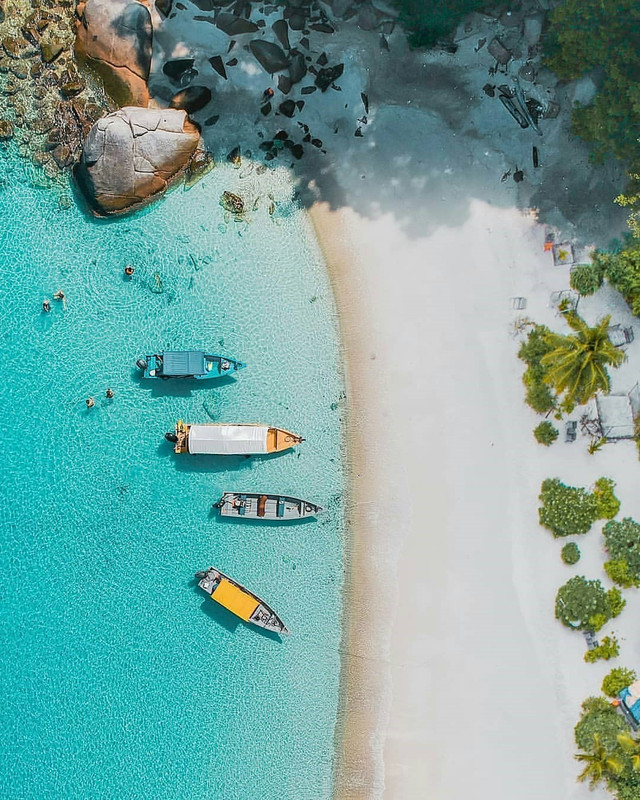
(228, 439)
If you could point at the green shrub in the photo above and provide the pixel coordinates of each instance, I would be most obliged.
(566, 510)
(606, 650)
(546, 433)
(585, 279)
(608, 504)
(570, 553)
(622, 270)
(616, 602)
(620, 573)
(599, 716)
(617, 680)
(580, 602)
(540, 397)
(622, 541)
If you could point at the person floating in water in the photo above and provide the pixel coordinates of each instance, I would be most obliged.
(90, 402)
(129, 270)
(109, 394)
(59, 295)
(46, 306)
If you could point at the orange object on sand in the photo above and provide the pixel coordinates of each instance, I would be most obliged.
(548, 246)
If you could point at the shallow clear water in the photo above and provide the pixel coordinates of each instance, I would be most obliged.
(119, 679)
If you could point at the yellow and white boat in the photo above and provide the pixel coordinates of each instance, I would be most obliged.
(223, 439)
(240, 601)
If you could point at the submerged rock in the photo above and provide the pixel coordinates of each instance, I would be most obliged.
(201, 162)
(232, 202)
(6, 130)
(270, 56)
(115, 38)
(176, 68)
(192, 99)
(131, 156)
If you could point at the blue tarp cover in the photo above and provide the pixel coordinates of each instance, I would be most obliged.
(634, 708)
(186, 362)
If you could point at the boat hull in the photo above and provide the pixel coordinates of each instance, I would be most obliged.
(214, 367)
(239, 600)
(268, 507)
(231, 439)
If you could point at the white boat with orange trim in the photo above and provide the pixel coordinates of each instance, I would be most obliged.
(240, 601)
(223, 439)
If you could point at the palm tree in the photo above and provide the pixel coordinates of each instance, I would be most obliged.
(577, 364)
(598, 763)
(631, 747)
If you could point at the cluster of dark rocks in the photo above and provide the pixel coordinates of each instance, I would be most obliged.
(47, 104)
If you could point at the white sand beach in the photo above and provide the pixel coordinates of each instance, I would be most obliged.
(459, 682)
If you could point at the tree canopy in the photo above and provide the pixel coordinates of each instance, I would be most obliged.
(601, 36)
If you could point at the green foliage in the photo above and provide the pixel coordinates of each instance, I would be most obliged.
(566, 510)
(606, 650)
(620, 572)
(427, 21)
(599, 764)
(602, 726)
(570, 553)
(608, 504)
(596, 444)
(622, 541)
(598, 717)
(577, 364)
(580, 602)
(601, 35)
(617, 680)
(538, 395)
(586, 279)
(616, 601)
(622, 270)
(546, 433)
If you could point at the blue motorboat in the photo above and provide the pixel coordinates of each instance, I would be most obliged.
(187, 364)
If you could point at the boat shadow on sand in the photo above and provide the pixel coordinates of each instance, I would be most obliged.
(226, 619)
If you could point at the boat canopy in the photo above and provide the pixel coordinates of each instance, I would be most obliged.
(228, 439)
(631, 698)
(231, 597)
(183, 362)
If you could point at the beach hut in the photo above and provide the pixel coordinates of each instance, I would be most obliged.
(614, 415)
(630, 704)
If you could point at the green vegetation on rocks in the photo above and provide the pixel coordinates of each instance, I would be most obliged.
(428, 21)
(603, 36)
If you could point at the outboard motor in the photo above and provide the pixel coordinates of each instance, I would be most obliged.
(141, 363)
(171, 437)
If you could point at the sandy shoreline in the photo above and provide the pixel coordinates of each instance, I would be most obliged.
(449, 630)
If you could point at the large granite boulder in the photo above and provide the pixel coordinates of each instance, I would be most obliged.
(131, 155)
(114, 37)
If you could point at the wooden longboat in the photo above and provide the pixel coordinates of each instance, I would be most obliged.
(223, 439)
(187, 364)
(273, 507)
(240, 601)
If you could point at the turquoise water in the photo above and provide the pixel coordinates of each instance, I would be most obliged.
(118, 678)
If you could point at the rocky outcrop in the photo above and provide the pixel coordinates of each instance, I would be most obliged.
(130, 157)
(114, 37)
